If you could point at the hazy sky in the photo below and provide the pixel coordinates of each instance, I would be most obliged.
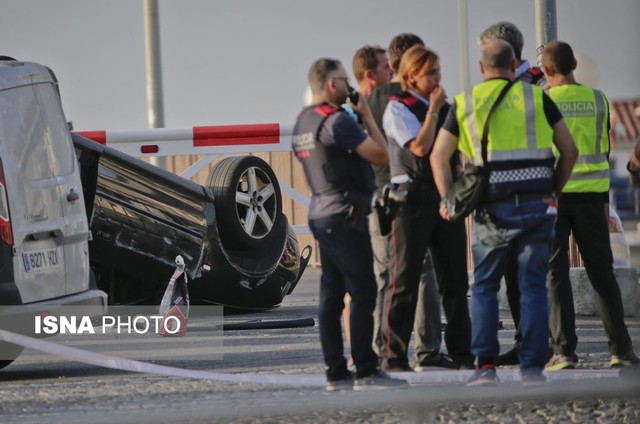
(246, 61)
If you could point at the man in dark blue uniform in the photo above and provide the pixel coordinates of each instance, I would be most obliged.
(336, 155)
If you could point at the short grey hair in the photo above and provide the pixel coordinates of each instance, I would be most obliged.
(506, 31)
(319, 73)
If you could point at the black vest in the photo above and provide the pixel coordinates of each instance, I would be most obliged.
(402, 161)
(329, 169)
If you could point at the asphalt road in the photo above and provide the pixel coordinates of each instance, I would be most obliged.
(43, 388)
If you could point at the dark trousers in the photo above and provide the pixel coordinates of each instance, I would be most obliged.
(427, 326)
(588, 222)
(418, 227)
(347, 266)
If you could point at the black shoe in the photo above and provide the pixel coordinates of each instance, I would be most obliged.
(464, 362)
(508, 358)
(345, 383)
(464, 365)
(397, 367)
(379, 380)
(442, 361)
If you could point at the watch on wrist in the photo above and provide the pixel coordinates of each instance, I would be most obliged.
(435, 114)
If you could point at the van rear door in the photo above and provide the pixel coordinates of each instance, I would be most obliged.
(75, 232)
(39, 167)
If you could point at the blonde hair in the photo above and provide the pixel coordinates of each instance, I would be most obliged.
(413, 60)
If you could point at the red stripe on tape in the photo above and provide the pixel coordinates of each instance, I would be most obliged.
(233, 135)
(97, 136)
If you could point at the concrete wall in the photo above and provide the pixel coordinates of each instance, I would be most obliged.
(583, 298)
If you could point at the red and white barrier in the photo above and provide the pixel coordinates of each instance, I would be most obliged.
(210, 141)
(205, 140)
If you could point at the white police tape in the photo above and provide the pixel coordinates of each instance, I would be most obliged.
(308, 380)
(122, 364)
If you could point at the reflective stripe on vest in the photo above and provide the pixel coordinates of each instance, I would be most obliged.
(520, 137)
(585, 112)
(536, 147)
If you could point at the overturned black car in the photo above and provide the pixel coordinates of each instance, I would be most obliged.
(238, 247)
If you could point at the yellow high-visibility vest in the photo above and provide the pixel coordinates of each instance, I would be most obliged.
(519, 128)
(520, 139)
(586, 113)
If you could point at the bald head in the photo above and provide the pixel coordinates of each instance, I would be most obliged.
(498, 60)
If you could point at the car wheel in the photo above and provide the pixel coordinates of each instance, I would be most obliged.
(248, 201)
(8, 353)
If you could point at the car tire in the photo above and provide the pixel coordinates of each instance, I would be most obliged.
(248, 201)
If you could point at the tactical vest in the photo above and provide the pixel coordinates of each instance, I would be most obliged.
(519, 149)
(329, 169)
(401, 160)
(585, 112)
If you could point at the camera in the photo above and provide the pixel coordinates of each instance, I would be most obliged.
(354, 96)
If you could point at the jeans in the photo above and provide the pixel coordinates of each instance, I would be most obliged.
(501, 231)
(427, 326)
(347, 266)
(513, 297)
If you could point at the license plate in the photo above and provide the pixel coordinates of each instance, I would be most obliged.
(41, 260)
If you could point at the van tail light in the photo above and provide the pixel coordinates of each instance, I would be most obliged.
(6, 234)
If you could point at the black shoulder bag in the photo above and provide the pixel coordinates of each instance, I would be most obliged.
(465, 194)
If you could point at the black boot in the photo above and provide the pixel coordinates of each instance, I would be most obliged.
(509, 358)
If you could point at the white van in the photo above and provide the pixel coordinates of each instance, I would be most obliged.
(44, 234)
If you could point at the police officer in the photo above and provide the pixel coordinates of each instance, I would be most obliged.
(516, 213)
(411, 121)
(336, 155)
(583, 211)
(427, 326)
(510, 33)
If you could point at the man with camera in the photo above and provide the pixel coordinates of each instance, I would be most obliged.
(336, 155)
